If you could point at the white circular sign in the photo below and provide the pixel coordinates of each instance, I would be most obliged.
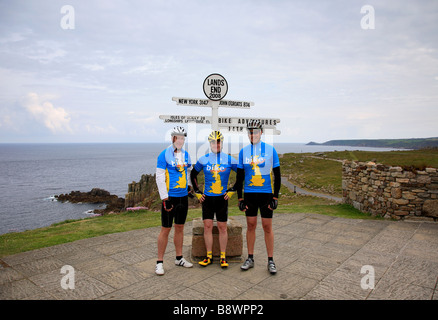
(215, 87)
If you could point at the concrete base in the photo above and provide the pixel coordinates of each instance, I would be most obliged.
(234, 245)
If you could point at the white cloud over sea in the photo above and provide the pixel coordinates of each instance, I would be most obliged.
(309, 63)
(56, 119)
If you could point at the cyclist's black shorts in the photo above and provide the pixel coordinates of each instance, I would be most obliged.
(215, 204)
(256, 201)
(178, 212)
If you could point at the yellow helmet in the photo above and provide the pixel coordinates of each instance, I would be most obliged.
(215, 136)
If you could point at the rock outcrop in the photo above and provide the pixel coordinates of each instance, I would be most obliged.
(143, 193)
(96, 195)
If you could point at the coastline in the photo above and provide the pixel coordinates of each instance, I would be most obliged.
(36, 172)
(405, 144)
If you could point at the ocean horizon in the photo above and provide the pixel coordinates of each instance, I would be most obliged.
(31, 174)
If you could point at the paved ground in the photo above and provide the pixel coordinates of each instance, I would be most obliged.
(318, 257)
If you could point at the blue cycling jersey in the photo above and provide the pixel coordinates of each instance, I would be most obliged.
(217, 168)
(176, 166)
(258, 161)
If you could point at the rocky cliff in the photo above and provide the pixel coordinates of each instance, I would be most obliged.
(96, 195)
(143, 193)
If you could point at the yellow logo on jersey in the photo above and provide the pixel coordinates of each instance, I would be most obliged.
(256, 180)
(216, 186)
(182, 181)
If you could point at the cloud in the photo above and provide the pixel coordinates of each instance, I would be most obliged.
(16, 36)
(309, 63)
(93, 67)
(154, 64)
(55, 119)
(100, 130)
(46, 51)
(6, 121)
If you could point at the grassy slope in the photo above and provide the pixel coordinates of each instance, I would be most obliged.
(312, 173)
(322, 175)
(416, 158)
(416, 143)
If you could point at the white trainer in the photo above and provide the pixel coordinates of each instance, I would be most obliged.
(183, 263)
(159, 270)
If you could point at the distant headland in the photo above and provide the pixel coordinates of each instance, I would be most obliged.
(414, 143)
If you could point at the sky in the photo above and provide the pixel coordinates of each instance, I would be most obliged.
(103, 71)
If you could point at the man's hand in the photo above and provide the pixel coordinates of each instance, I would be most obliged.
(229, 193)
(189, 192)
(274, 203)
(168, 206)
(242, 205)
(200, 196)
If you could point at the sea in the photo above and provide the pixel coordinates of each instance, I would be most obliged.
(32, 174)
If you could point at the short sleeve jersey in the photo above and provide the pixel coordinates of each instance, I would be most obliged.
(258, 161)
(217, 168)
(176, 165)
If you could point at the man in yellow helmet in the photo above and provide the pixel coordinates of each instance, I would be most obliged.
(216, 166)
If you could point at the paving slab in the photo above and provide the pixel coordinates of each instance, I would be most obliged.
(318, 258)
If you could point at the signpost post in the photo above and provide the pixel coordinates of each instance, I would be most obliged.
(215, 89)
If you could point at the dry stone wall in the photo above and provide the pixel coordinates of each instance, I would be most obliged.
(390, 191)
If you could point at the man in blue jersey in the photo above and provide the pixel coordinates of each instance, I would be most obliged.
(216, 166)
(173, 168)
(257, 162)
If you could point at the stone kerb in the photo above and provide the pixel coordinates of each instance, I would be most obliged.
(390, 191)
(235, 239)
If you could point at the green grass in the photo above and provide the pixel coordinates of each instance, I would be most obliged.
(325, 175)
(313, 174)
(415, 158)
(415, 143)
(71, 230)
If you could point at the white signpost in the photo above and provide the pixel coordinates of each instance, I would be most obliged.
(194, 102)
(267, 131)
(215, 88)
(222, 121)
(186, 119)
(238, 124)
(243, 121)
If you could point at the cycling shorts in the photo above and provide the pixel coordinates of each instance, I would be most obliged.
(256, 201)
(215, 204)
(178, 212)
